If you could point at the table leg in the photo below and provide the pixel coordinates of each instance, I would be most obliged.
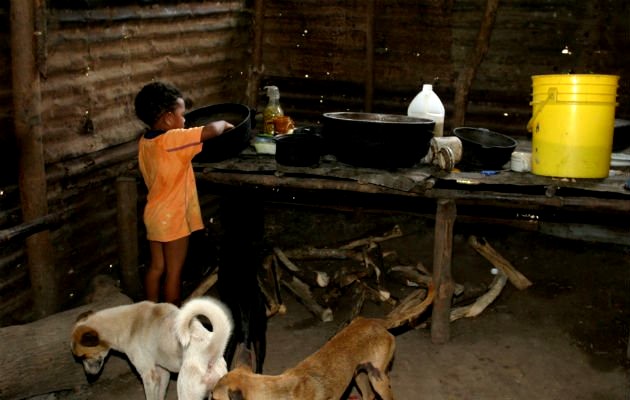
(442, 254)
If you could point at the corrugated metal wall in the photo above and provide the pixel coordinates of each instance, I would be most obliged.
(315, 51)
(97, 59)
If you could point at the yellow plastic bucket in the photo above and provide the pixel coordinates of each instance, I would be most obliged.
(572, 124)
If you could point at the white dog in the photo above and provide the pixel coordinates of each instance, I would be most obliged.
(145, 332)
(203, 363)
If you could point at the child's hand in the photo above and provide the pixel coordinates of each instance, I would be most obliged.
(226, 126)
(214, 129)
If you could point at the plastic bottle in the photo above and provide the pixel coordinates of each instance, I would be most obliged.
(272, 110)
(427, 104)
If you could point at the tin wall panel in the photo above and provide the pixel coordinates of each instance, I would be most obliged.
(316, 51)
(96, 61)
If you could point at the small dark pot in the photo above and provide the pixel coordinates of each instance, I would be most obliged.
(299, 149)
(484, 149)
(377, 140)
(231, 142)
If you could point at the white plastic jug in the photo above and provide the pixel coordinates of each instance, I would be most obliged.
(427, 104)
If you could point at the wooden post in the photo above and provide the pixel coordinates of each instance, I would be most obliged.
(442, 280)
(127, 215)
(32, 173)
(369, 57)
(257, 68)
(467, 75)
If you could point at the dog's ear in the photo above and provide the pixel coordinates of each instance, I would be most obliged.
(235, 394)
(89, 338)
(84, 315)
(243, 357)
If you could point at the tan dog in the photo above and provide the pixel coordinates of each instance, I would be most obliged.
(145, 332)
(363, 351)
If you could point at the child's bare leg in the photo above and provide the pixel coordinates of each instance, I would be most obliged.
(175, 256)
(154, 274)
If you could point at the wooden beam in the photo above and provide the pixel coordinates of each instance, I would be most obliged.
(127, 217)
(369, 57)
(442, 280)
(29, 228)
(29, 135)
(467, 76)
(257, 68)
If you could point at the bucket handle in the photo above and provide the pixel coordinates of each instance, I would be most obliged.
(552, 95)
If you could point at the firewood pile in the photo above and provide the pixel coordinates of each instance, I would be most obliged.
(320, 278)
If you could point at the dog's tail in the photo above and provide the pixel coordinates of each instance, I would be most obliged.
(216, 312)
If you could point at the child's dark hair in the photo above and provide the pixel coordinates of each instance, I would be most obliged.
(154, 99)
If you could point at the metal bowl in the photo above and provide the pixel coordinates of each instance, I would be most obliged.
(377, 140)
(483, 148)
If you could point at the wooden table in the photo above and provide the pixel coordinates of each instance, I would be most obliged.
(505, 189)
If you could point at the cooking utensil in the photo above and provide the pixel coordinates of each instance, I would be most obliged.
(302, 148)
(231, 142)
(377, 140)
(483, 148)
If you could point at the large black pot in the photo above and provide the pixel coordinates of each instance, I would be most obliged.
(377, 140)
(231, 142)
(484, 149)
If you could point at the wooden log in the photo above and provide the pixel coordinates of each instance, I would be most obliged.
(483, 301)
(411, 307)
(313, 277)
(268, 287)
(394, 233)
(497, 260)
(303, 293)
(204, 286)
(35, 358)
(471, 291)
(346, 275)
(273, 307)
(408, 274)
(442, 280)
(378, 294)
(312, 253)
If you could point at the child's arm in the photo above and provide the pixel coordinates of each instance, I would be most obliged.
(214, 129)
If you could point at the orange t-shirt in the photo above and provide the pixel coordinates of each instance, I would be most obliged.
(165, 161)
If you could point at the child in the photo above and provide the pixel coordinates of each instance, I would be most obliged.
(172, 212)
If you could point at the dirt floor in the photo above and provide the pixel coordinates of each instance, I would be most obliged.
(565, 337)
